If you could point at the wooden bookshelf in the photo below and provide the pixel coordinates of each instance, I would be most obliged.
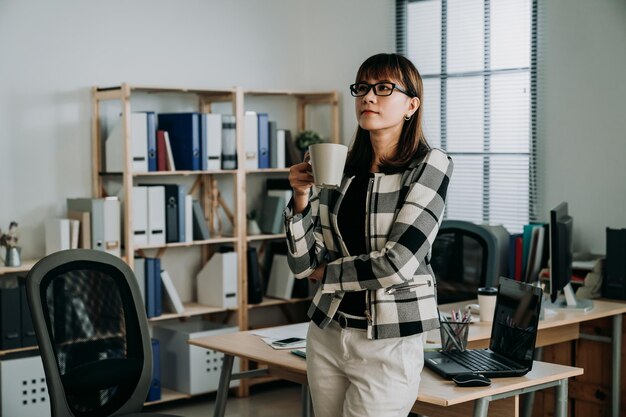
(268, 171)
(25, 267)
(168, 395)
(233, 101)
(253, 238)
(17, 350)
(217, 240)
(269, 302)
(191, 310)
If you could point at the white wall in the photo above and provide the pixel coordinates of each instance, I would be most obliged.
(583, 146)
(51, 53)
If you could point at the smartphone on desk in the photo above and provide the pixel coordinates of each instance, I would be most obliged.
(288, 341)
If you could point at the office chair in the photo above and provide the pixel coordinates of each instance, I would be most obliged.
(92, 332)
(467, 256)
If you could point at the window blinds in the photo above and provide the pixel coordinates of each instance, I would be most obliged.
(478, 62)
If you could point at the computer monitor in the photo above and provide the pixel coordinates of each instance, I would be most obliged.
(561, 248)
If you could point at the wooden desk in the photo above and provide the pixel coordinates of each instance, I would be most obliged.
(561, 326)
(436, 397)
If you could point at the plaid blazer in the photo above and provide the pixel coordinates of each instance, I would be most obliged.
(403, 214)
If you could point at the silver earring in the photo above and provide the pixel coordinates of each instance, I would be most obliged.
(407, 117)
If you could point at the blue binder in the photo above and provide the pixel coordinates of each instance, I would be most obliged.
(184, 133)
(152, 146)
(264, 140)
(154, 394)
(154, 304)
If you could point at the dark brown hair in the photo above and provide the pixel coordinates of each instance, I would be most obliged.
(412, 142)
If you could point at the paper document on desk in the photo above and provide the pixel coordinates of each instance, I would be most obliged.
(272, 334)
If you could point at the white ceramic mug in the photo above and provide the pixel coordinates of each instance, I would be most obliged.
(327, 161)
(487, 302)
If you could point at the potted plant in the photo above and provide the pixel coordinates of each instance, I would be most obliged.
(253, 225)
(9, 241)
(307, 138)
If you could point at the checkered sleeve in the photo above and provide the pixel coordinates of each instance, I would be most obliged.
(410, 238)
(305, 242)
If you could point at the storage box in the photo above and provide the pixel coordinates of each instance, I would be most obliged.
(217, 281)
(190, 369)
(23, 388)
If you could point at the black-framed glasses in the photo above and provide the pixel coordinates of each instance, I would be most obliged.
(380, 89)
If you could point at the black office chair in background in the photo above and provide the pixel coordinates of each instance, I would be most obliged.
(92, 333)
(467, 256)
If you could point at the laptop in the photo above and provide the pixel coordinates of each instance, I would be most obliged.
(513, 335)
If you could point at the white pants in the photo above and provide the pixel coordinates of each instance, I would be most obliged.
(352, 376)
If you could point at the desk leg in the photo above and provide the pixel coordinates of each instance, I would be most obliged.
(560, 406)
(306, 401)
(224, 385)
(616, 342)
(481, 407)
(529, 399)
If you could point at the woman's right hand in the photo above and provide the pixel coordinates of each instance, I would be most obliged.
(301, 181)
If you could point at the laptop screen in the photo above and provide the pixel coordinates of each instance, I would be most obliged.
(515, 322)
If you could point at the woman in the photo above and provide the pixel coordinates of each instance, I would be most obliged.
(368, 245)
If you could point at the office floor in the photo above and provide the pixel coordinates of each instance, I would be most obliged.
(278, 399)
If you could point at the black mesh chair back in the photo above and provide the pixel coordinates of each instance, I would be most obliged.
(92, 332)
(464, 258)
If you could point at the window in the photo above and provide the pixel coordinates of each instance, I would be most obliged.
(478, 62)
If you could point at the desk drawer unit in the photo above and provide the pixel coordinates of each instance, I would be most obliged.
(191, 369)
(23, 388)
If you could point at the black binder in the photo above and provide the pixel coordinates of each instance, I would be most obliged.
(614, 281)
(28, 330)
(255, 288)
(10, 326)
(174, 211)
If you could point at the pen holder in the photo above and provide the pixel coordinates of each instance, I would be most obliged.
(453, 335)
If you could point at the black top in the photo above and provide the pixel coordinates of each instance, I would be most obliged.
(351, 221)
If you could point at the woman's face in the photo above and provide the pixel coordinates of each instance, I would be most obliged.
(384, 113)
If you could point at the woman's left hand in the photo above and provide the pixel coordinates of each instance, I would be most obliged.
(318, 274)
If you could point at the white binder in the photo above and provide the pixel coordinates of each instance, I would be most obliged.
(140, 215)
(105, 221)
(114, 146)
(140, 275)
(172, 299)
(156, 215)
(111, 225)
(213, 140)
(251, 140)
(57, 235)
(188, 218)
(217, 281)
(280, 149)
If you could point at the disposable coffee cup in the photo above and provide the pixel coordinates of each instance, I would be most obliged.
(327, 161)
(487, 302)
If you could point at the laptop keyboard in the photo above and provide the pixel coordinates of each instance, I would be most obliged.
(476, 360)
